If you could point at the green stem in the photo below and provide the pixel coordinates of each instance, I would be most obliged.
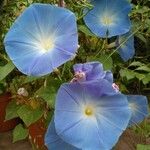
(102, 48)
(61, 3)
(63, 71)
(4, 58)
(59, 77)
(111, 45)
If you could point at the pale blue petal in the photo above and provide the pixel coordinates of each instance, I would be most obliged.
(111, 115)
(62, 24)
(122, 25)
(92, 70)
(54, 142)
(94, 25)
(38, 23)
(109, 76)
(117, 12)
(139, 108)
(126, 50)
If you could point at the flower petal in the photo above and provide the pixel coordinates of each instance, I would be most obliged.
(108, 117)
(126, 43)
(93, 71)
(54, 142)
(109, 18)
(139, 108)
(41, 39)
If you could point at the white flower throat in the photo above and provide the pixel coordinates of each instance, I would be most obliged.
(47, 44)
(107, 20)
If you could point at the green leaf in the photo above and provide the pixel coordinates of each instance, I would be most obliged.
(143, 147)
(146, 79)
(127, 73)
(139, 76)
(136, 63)
(19, 133)
(48, 93)
(5, 70)
(29, 79)
(141, 37)
(143, 68)
(29, 115)
(11, 110)
(106, 61)
(85, 30)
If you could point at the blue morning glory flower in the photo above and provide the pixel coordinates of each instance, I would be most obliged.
(139, 107)
(54, 142)
(41, 39)
(126, 46)
(109, 17)
(91, 71)
(90, 115)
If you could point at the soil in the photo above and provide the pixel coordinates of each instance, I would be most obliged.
(6, 143)
(129, 141)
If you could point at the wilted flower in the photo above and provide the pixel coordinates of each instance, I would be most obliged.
(90, 115)
(115, 87)
(54, 142)
(41, 39)
(91, 71)
(139, 107)
(108, 18)
(126, 46)
(23, 92)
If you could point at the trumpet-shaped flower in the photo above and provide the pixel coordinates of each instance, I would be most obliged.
(139, 107)
(126, 46)
(41, 39)
(108, 17)
(90, 115)
(91, 71)
(54, 142)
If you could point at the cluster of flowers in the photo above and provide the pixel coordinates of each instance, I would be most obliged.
(90, 111)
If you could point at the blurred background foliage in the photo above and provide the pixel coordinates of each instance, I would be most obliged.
(133, 77)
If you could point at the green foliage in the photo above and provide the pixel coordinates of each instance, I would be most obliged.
(30, 79)
(143, 147)
(5, 70)
(19, 133)
(11, 111)
(29, 115)
(104, 59)
(48, 92)
(85, 30)
(141, 71)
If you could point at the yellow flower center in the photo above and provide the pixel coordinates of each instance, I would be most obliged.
(88, 111)
(47, 44)
(107, 20)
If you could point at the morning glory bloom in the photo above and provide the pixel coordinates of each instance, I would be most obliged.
(90, 115)
(41, 39)
(108, 17)
(91, 71)
(54, 142)
(139, 107)
(126, 46)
